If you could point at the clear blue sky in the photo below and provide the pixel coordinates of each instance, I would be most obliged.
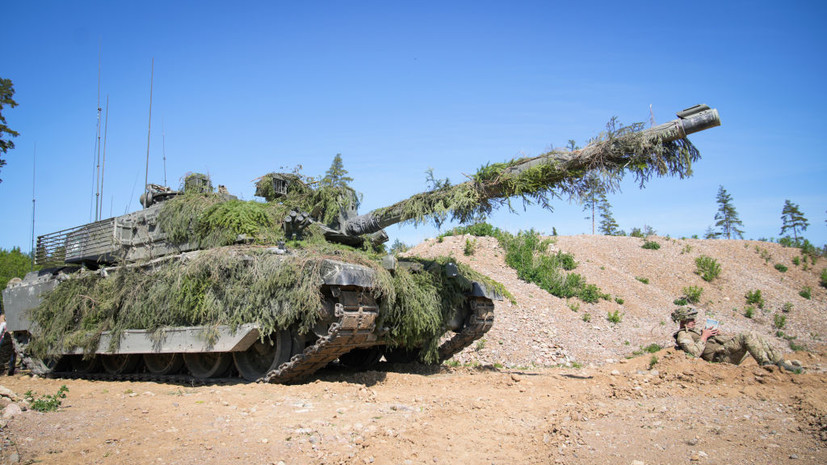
(245, 88)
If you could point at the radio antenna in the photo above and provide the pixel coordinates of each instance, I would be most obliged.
(34, 161)
(164, 148)
(103, 165)
(149, 128)
(98, 140)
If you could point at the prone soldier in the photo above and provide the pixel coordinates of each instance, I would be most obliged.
(710, 346)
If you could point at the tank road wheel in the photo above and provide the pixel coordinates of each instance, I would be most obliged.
(361, 359)
(265, 355)
(208, 364)
(120, 364)
(84, 364)
(163, 364)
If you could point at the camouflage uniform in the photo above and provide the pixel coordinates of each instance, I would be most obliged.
(732, 349)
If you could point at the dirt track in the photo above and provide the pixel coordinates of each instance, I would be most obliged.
(529, 411)
(681, 411)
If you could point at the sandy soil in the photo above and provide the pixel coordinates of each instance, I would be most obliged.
(512, 399)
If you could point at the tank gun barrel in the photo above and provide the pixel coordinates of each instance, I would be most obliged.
(660, 150)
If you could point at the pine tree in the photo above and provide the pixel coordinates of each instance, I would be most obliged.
(792, 218)
(336, 175)
(608, 225)
(727, 218)
(6, 94)
(591, 198)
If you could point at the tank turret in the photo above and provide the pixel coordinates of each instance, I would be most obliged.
(200, 285)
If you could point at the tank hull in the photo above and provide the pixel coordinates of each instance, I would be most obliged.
(348, 322)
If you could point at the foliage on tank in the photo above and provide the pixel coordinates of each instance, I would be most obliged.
(556, 174)
(242, 284)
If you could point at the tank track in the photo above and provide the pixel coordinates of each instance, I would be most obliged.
(355, 328)
(479, 322)
(357, 313)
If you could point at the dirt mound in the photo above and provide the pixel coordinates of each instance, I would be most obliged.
(542, 330)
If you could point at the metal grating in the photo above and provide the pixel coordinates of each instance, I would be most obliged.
(93, 242)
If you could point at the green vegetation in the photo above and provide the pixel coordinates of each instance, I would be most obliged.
(680, 301)
(792, 219)
(707, 267)
(617, 151)
(650, 245)
(13, 264)
(527, 253)
(693, 293)
(229, 286)
(46, 403)
(764, 253)
(642, 279)
(780, 267)
(797, 261)
(6, 98)
(779, 321)
(587, 317)
(653, 361)
(614, 317)
(823, 279)
(749, 312)
(619, 300)
(652, 348)
(470, 247)
(787, 307)
(726, 219)
(755, 298)
(806, 292)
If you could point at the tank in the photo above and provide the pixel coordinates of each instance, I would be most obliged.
(201, 286)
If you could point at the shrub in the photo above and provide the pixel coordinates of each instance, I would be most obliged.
(779, 321)
(686, 249)
(755, 298)
(470, 246)
(749, 312)
(619, 300)
(642, 279)
(574, 306)
(651, 245)
(707, 267)
(46, 403)
(636, 232)
(527, 254)
(780, 267)
(787, 307)
(653, 361)
(797, 347)
(587, 317)
(614, 317)
(693, 293)
(652, 348)
(796, 261)
(823, 281)
(679, 301)
(806, 292)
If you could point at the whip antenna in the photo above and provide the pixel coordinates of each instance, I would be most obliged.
(103, 167)
(34, 161)
(149, 128)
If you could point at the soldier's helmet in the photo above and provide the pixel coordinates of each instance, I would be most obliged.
(684, 314)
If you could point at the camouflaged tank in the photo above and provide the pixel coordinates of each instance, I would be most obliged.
(199, 285)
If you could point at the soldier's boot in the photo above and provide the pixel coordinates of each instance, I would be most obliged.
(783, 364)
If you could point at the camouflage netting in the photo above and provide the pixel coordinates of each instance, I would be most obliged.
(556, 174)
(241, 284)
